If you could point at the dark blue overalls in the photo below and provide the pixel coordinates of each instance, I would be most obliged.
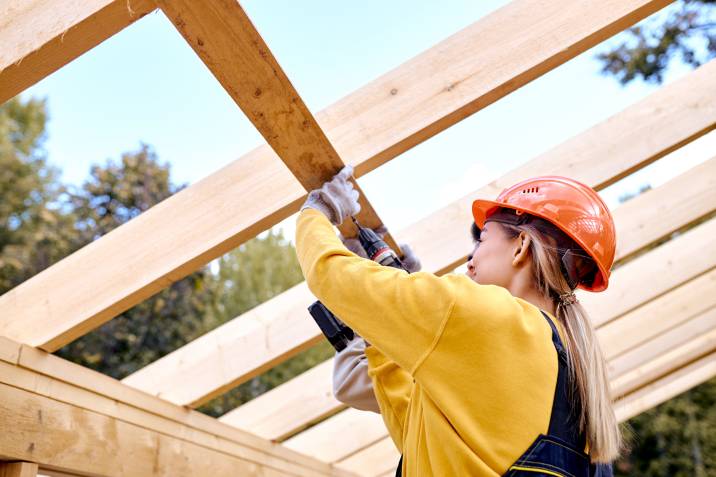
(560, 453)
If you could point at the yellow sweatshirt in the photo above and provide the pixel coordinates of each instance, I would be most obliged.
(464, 373)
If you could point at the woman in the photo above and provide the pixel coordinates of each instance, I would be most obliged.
(494, 373)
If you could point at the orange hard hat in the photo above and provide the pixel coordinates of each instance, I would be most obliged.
(573, 207)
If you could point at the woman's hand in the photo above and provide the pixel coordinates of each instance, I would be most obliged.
(336, 199)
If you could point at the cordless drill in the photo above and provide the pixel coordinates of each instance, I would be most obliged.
(376, 249)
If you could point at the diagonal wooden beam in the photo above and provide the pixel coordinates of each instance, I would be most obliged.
(452, 80)
(354, 430)
(40, 36)
(223, 36)
(659, 356)
(279, 328)
(129, 423)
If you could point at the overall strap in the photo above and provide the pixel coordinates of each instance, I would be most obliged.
(563, 422)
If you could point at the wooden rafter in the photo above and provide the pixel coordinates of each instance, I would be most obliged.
(46, 399)
(667, 387)
(222, 35)
(280, 328)
(458, 77)
(40, 36)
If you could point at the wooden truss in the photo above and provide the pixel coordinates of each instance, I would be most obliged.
(660, 339)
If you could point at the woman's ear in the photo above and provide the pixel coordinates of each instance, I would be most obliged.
(522, 249)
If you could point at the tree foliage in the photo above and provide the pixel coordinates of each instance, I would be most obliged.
(34, 231)
(42, 221)
(688, 33)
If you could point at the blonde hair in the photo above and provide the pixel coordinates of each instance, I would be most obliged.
(586, 363)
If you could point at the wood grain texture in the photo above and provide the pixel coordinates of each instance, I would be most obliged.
(18, 469)
(56, 378)
(429, 93)
(227, 42)
(40, 36)
(666, 388)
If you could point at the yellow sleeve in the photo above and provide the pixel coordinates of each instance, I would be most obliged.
(401, 314)
(392, 387)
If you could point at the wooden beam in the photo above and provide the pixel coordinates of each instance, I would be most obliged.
(227, 42)
(18, 469)
(339, 436)
(40, 36)
(79, 441)
(666, 388)
(458, 77)
(280, 327)
(658, 357)
(289, 408)
(54, 378)
(381, 457)
(657, 316)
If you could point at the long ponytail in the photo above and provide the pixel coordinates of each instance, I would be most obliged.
(586, 362)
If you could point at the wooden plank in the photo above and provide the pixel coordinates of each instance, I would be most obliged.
(18, 469)
(40, 36)
(374, 460)
(666, 388)
(457, 77)
(290, 407)
(75, 440)
(9, 350)
(224, 38)
(658, 212)
(661, 355)
(265, 335)
(658, 316)
(100, 393)
(115, 415)
(312, 389)
(340, 436)
(285, 327)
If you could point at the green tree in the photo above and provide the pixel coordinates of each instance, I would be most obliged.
(114, 194)
(687, 32)
(35, 230)
(675, 439)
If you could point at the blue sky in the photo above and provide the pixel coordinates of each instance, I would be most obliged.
(146, 85)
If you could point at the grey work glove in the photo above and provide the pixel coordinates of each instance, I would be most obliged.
(409, 260)
(351, 383)
(336, 199)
